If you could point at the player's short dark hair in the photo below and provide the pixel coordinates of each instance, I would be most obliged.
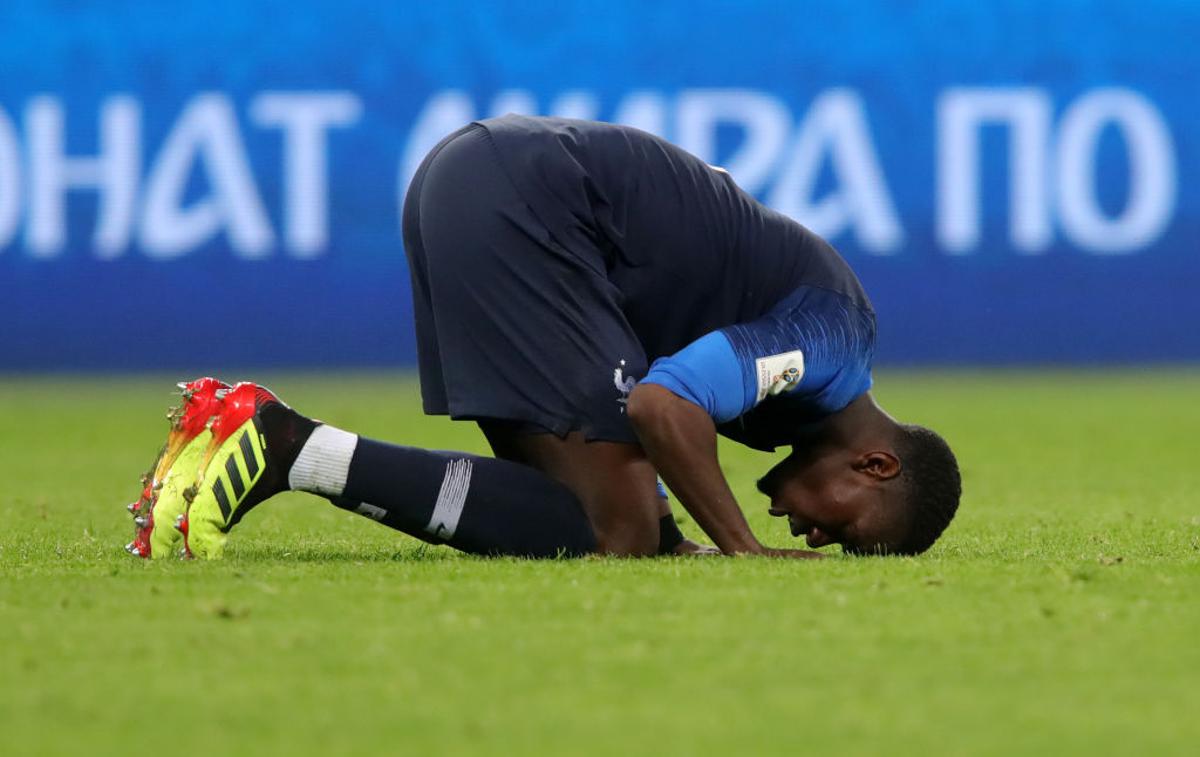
(932, 485)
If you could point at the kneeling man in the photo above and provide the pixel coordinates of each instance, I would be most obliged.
(603, 304)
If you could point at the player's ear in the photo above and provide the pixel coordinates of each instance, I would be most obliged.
(879, 464)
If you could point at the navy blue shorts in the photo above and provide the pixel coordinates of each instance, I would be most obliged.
(510, 324)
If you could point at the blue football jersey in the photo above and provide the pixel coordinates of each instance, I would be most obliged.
(735, 306)
(806, 358)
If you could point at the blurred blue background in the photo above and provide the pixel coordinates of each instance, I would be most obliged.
(199, 185)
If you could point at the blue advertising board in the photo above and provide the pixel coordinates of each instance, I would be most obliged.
(203, 185)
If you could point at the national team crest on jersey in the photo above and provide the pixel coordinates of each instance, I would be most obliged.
(624, 385)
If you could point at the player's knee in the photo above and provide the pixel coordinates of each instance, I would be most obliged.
(628, 540)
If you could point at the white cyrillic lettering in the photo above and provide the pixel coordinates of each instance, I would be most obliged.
(519, 101)
(765, 120)
(10, 180)
(207, 133)
(113, 173)
(576, 104)
(1151, 172)
(304, 118)
(961, 113)
(836, 125)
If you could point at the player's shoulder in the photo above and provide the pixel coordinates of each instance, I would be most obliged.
(808, 358)
(817, 317)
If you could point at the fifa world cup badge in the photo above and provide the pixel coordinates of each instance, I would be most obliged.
(779, 373)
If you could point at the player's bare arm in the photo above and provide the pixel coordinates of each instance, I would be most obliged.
(681, 441)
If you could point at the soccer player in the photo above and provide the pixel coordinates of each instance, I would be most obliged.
(603, 304)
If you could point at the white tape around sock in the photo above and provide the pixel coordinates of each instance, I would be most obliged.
(324, 463)
(451, 498)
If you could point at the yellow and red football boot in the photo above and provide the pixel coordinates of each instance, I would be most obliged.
(160, 503)
(255, 436)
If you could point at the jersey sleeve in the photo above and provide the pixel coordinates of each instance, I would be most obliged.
(814, 348)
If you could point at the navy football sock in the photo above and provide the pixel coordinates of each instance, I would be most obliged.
(475, 504)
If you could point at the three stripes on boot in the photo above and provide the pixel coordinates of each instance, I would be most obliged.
(234, 474)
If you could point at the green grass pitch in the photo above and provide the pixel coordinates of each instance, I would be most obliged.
(1060, 614)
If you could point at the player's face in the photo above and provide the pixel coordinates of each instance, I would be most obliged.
(837, 497)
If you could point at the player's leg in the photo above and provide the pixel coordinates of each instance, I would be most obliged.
(479, 505)
(475, 504)
(530, 330)
(259, 447)
(615, 484)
